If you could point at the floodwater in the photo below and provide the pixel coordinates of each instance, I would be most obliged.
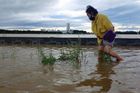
(22, 72)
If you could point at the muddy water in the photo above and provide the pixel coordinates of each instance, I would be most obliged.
(22, 72)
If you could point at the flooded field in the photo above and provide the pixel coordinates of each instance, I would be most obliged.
(21, 71)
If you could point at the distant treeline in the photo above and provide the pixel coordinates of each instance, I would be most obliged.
(28, 32)
(127, 32)
(41, 32)
(56, 32)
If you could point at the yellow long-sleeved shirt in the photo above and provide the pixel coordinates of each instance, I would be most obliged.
(100, 25)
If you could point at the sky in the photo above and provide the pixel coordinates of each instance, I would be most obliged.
(55, 14)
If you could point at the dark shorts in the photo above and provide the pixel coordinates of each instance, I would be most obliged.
(108, 38)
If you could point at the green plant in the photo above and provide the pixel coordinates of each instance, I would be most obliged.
(107, 57)
(104, 56)
(72, 55)
(46, 60)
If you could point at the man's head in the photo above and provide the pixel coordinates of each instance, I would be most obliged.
(91, 12)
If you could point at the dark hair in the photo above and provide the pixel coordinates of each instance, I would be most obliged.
(91, 10)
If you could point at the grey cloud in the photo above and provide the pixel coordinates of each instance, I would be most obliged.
(126, 14)
(12, 13)
(9, 9)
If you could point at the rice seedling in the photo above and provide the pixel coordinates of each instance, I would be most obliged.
(107, 57)
(73, 56)
(46, 59)
(104, 57)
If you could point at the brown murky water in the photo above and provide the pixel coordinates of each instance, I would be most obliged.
(22, 72)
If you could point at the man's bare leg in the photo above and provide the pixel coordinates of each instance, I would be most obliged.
(108, 49)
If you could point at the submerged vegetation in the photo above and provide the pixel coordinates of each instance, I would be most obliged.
(46, 59)
(105, 57)
(73, 56)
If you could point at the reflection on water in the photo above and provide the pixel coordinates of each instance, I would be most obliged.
(103, 81)
(22, 72)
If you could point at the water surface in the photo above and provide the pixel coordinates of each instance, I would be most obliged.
(21, 71)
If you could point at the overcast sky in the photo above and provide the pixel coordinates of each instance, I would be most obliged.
(54, 14)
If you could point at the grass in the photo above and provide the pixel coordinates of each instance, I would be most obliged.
(46, 59)
(72, 55)
(105, 57)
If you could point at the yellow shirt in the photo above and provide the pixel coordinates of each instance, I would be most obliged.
(100, 25)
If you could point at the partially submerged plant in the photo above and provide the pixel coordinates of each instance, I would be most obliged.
(105, 57)
(72, 55)
(47, 60)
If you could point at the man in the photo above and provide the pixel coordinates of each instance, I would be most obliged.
(104, 30)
